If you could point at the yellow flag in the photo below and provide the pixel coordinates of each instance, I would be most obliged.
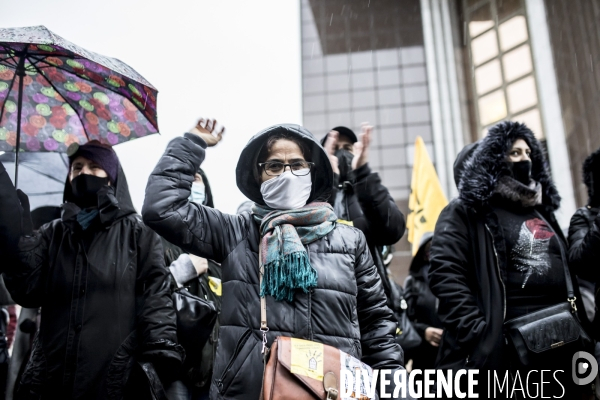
(427, 199)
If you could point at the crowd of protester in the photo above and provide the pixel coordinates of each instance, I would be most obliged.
(94, 283)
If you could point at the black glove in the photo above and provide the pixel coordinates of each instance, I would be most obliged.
(26, 223)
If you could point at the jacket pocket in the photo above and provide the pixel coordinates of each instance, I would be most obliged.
(228, 374)
(120, 367)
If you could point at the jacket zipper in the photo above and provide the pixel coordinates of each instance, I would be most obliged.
(499, 272)
(238, 348)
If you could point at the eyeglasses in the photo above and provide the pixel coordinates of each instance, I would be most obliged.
(298, 168)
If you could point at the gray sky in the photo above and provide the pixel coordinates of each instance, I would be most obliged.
(234, 60)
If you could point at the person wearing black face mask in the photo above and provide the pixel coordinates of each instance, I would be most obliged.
(498, 254)
(358, 196)
(99, 275)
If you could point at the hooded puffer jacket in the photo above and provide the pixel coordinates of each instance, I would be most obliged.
(347, 309)
(584, 231)
(469, 254)
(104, 298)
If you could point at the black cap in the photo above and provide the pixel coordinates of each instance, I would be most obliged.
(342, 130)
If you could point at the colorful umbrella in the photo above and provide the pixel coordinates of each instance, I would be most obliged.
(54, 93)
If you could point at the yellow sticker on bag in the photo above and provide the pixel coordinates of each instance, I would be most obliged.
(215, 285)
(307, 358)
(343, 221)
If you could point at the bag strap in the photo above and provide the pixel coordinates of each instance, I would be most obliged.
(570, 291)
(264, 329)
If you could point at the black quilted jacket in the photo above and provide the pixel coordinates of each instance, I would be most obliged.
(346, 310)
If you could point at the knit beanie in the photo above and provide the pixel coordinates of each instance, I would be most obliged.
(100, 153)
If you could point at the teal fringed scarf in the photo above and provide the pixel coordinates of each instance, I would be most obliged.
(283, 258)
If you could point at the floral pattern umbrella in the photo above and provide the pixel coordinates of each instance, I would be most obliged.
(54, 93)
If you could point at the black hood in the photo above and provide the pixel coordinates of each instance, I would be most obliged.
(591, 164)
(322, 174)
(417, 262)
(114, 202)
(488, 164)
(209, 197)
(461, 158)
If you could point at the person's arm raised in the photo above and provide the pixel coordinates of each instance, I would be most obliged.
(199, 230)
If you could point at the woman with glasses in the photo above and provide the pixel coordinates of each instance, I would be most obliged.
(319, 279)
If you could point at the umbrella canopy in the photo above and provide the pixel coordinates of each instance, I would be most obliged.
(54, 93)
(42, 175)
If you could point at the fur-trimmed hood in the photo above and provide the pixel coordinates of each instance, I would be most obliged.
(591, 164)
(487, 165)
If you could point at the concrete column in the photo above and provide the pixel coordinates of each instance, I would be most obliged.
(551, 111)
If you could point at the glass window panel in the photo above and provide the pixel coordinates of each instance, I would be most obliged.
(363, 99)
(492, 107)
(309, 31)
(362, 60)
(399, 194)
(338, 101)
(363, 80)
(314, 104)
(413, 131)
(388, 97)
(374, 159)
(336, 119)
(312, 66)
(517, 63)
(361, 116)
(484, 48)
(507, 7)
(412, 55)
(513, 32)
(387, 58)
(393, 157)
(338, 82)
(388, 77)
(395, 177)
(312, 49)
(336, 63)
(315, 123)
(413, 75)
(521, 95)
(416, 114)
(391, 136)
(390, 116)
(314, 84)
(480, 20)
(533, 121)
(415, 94)
(488, 77)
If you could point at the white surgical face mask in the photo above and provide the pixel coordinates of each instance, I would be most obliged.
(287, 191)
(198, 193)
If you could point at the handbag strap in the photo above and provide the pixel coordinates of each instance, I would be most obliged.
(570, 291)
(264, 328)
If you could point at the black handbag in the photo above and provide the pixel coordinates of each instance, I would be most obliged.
(196, 318)
(406, 335)
(553, 329)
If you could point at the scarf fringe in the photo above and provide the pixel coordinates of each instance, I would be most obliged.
(286, 274)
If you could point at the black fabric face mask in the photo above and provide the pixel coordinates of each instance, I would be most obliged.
(345, 164)
(521, 171)
(85, 189)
